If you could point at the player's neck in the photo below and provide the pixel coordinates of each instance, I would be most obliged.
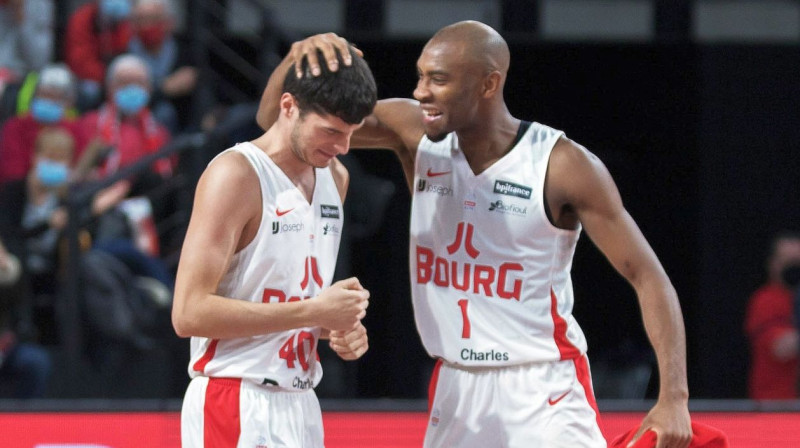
(488, 141)
(277, 146)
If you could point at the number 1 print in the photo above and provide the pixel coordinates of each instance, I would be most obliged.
(465, 329)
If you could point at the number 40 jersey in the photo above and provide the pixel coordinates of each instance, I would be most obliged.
(291, 258)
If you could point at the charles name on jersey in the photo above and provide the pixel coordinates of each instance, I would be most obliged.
(469, 354)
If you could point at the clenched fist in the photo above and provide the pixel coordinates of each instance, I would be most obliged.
(350, 345)
(341, 306)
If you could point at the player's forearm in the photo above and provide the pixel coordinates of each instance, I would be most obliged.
(267, 112)
(219, 317)
(663, 322)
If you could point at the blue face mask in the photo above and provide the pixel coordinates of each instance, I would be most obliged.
(115, 9)
(50, 173)
(131, 99)
(46, 111)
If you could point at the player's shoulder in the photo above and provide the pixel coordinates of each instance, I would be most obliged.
(569, 155)
(230, 173)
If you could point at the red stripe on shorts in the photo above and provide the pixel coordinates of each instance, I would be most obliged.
(432, 384)
(221, 420)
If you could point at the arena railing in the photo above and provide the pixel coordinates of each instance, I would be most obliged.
(189, 148)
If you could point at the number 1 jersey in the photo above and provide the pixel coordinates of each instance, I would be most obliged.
(490, 274)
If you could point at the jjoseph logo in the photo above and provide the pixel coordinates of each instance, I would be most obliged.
(442, 190)
(277, 227)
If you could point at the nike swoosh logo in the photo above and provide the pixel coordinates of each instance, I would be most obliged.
(282, 212)
(552, 402)
(435, 173)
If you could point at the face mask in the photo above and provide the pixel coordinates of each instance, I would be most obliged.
(152, 36)
(46, 111)
(115, 9)
(131, 99)
(51, 174)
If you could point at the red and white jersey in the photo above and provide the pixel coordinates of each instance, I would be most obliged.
(292, 257)
(490, 274)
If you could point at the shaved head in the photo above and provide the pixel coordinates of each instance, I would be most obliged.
(480, 44)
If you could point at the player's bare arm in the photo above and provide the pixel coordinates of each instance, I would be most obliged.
(225, 217)
(580, 189)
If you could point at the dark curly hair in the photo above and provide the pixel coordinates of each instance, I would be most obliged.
(348, 93)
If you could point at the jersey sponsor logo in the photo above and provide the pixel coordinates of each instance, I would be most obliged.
(442, 190)
(261, 442)
(477, 278)
(435, 417)
(329, 211)
(432, 173)
(278, 227)
(280, 212)
(512, 189)
(331, 229)
(553, 401)
(501, 207)
(469, 354)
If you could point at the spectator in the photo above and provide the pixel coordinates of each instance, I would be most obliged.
(43, 216)
(96, 33)
(24, 366)
(123, 129)
(771, 328)
(54, 96)
(154, 41)
(26, 38)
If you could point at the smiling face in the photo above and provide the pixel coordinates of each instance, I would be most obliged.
(448, 88)
(316, 139)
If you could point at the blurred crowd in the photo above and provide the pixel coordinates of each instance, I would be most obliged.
(75, 110)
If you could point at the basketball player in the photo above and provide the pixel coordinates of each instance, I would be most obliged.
(498, 205)
(254, 281)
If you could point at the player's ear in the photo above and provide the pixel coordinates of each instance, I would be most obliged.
(288, 104)
(492, 84)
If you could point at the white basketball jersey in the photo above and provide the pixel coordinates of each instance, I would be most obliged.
(490, 274)
(291, 258)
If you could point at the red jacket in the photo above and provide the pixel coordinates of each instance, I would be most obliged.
(17, 145)
(131, 139)
(770, 316)
(704, 436)
(87, 48)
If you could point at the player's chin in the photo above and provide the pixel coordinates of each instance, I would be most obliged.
(435, 136)
(322, 162)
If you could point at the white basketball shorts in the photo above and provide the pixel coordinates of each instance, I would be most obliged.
(548, 404)
(235, 413)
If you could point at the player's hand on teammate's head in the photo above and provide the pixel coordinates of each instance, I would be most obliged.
(329, 44)
(350, 345)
